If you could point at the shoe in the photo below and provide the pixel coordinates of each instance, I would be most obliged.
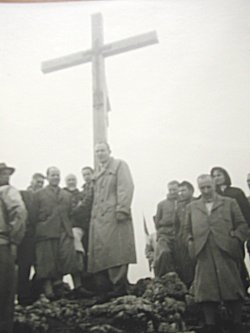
(51, 296)
(116, 293)
(61, 290)
(81, 292)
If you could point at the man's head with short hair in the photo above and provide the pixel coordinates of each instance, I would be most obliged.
(102, 152)
(173, 189)
(53, 176)
(186, 190)
(71, 182)
(87, 174)
(206, 186)
(37, 181)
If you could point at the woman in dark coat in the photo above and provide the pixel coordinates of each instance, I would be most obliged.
(224, 188)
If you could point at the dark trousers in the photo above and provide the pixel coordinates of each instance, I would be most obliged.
(164, 256)
(233, 307)
(7, 289)
(25, 260)
(112, 279)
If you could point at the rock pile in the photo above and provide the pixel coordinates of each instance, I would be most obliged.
(153, 306)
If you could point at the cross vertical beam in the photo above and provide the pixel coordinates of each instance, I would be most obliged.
(98, 82)
(96, 55)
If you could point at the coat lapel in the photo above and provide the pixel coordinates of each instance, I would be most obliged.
(53, 194)
(201, 206)
(99, 173)
(218, 202)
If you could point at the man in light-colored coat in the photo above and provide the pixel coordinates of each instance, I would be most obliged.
(111, 237)
(12, 229)
(216, 230)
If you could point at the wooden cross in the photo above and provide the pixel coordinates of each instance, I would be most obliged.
(96, 55)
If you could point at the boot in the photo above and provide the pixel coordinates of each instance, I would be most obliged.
(81, 292)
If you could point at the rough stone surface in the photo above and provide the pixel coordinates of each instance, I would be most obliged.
(153, 306)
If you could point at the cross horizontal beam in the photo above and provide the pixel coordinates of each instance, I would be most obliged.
(107, 50)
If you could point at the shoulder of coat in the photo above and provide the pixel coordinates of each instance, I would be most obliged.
(229, 200)
(42, 190)
(195, 202)
(235, 191)
(118, 161)
(9, 189)
(115, 163)
(66, 194)
(163, 202)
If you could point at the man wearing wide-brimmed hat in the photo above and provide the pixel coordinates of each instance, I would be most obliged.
(12, 228)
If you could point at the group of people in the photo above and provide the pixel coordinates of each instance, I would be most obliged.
(203, 240)
(88, 234)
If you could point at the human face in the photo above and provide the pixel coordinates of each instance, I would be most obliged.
(71, 182)
(219, 177)
(53, 176)
(4, 177)
(173, 190)
(37, 183)
(207, 188)
(102, 152)
(185, 193)
(87, 175)
(248, 180)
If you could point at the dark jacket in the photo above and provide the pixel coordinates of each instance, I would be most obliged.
(81, 212)
(28, 199)
(165, 218)
(75, 197)
(239, 196)
(53, 212)
(226, 224)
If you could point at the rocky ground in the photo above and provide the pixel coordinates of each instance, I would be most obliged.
(153, 306)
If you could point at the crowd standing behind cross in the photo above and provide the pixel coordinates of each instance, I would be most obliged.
(89, 234)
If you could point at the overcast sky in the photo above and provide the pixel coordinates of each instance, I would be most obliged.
(178, 107)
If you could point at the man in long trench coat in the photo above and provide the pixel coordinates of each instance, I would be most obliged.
(111, 237)
(216, 230)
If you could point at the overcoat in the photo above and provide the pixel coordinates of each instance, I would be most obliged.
(184, 264)
(237, 194)
(215, 242)
(53, 208)
(164, 222)
(111, 242)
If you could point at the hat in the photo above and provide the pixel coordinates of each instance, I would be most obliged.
(3, 166)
